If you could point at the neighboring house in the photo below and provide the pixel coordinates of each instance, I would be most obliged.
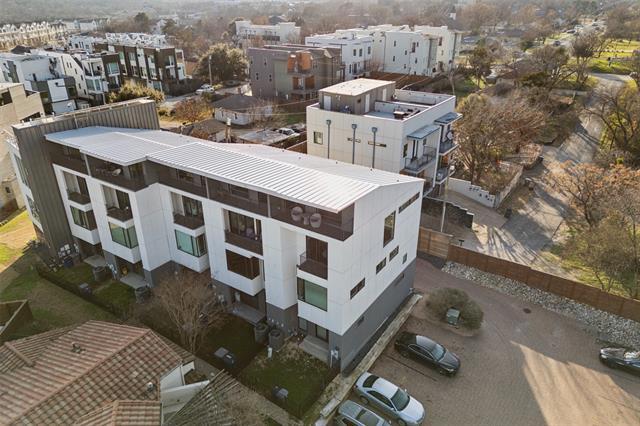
(43, 74)
(314, 246)
(413, 129)
(16, 105)
(241, 110)
(251, 35)
(419, 50)
(93, 373)
(84, 25)
(293, 71)
(34, 34)
(356, 51)
(143, 58)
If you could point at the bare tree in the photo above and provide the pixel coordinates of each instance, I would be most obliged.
(189, 303)
(551, 68)
(585, 47)
(192, 110)
(634, 63)
(494, 127)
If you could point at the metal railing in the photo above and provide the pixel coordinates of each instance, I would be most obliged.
(312, 266)
(111, 176)
(73, 163)
(166, 179)
(191, 222)
(78, 197)
(447, 145)
(120, 214)
(442, 174)
(417, 164)
(252, 244)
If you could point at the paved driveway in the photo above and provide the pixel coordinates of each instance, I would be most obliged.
(521, 369)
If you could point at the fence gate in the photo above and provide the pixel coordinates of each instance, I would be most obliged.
(434, 243)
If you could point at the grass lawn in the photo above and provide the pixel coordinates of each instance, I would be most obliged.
(13, 237)
(51, 305)
(295, 118)
(304, 376)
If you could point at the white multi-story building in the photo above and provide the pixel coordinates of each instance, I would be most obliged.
(356, 51)
(310, 245)
(251, 35)
(399, 131)
(419, 50)
(33, 34)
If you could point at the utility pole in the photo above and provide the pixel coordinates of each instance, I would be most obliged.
(328, 138)
(354, 126)
(210, 79)
(373, 160)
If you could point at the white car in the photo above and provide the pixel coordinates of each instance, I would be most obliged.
(390, 399)
(287, 131)
(205, 88)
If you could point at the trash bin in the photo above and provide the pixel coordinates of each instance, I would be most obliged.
(100, 273)
(142, 294)
(68, 262)
(260, 332)
(453, 315)
(227, 358)
(276, 339)
(85, 288)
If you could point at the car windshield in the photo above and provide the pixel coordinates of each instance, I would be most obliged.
(367, 418)
(400, 399)
(369, 381)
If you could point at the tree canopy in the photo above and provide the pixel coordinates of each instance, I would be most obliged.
(227, 63)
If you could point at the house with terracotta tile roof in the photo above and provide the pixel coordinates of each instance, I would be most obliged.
(93, 374)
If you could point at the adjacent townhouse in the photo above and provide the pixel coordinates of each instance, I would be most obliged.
(252, 35)
(44, 74)
(143, 58)
(16, 105)
(313, 246)
(356, 51)
(371, 123)
(293, 71)
(402, 49)
(34, 34)
(99, 373)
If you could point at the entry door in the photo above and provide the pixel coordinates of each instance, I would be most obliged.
(327, 103)
(367, 100)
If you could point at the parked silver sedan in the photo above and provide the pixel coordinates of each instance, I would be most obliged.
(350, 414)
(390, 399)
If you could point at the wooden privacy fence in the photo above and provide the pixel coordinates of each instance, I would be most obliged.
(592, 296)
(434, 243)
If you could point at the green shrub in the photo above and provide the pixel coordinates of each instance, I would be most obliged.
(442, 299)
(472, 315)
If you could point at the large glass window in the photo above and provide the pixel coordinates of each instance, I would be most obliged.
(124, 236)
(246, 226)
(248, 267)
(317, 138)
(21, 170)
(191, 207)
(389, 228)
(83, 219)
(195, 246)
(312, 294)
(35, 212)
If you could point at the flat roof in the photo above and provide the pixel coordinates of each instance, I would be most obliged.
(318, 182)
(355, 87)
(424, 132)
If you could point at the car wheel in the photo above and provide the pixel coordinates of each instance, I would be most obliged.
(402, 422)
(364, 400)
(443, 371)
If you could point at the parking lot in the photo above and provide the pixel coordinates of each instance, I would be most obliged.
(521, 368)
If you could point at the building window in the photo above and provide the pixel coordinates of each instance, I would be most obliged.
(380, 266)
(360, 53)
(83, 219)
(407, 203)
(368, 50)
(302, 324)
(405, 150)
(317, 138)
(394, 253)
(389, 228)
(404, 258)
(270, 78)
(393, 59)
(195, 246)
(125, 237)
(355, 290)
(35, 212)
(257, 76)
(354, 52)
(248, 267)
(21, 170)
(240, 224)
(312, 294)
(394, 43)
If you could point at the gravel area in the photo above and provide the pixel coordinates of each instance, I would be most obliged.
(607, 327)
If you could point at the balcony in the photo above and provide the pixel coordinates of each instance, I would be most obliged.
(239, 197)
(338, 226)
(252, 244)
(116, 177)
(447, 146)
(122, 215)
(78, 197)
(312, 266)
(190, 186)
(442, 174)
(74, 163)
(191, 222)
(418, 164)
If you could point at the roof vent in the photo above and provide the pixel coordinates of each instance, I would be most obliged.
(76, 348)
(399, 115)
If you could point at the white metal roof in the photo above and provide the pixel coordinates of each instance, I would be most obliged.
(355, 87)
(318, 182)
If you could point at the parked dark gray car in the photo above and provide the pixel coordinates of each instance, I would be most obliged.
(352, 414)
(427, 352)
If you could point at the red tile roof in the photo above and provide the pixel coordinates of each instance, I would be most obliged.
(59, 376)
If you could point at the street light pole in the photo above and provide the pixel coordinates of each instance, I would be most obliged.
(328, 138)
(210, 79)
(373, 160)
(353, 153)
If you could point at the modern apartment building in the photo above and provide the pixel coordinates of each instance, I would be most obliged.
(16, 105)
(356, 51)
(44, 74)
(419, 50)
(33, 34)
(371, 123)
(143, 58)
(251, 35)
(310, 245)
(293, 71)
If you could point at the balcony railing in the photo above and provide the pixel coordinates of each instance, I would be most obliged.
(442, 174)
(446, 146)
(78, 197)
(120, 214)
(312, 266)
(191, 222)
(326, 227)
(417, 164)
(117, 178)
(255, 206)
(182, 184)
(252, 244)
(74, 163)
